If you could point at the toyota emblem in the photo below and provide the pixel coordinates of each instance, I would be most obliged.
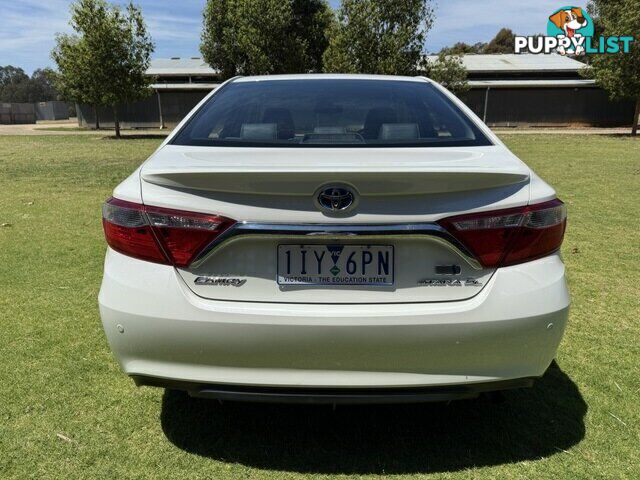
(335, 199)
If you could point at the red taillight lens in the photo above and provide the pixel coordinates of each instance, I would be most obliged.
(160, 235)
(511, 236)
(183, 235)
(127, 231)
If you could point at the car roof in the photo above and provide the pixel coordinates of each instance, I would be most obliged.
(329, 76)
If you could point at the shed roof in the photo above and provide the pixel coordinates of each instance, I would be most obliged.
(184, 86)
(177, 66)
(506, 62)
(553, 83)
(525, 62)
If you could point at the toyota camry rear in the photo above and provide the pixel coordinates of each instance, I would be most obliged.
(333, 238)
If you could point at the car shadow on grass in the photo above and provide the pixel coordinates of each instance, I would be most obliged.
(391, 439)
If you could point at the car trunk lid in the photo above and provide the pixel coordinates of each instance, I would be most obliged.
(271, 193)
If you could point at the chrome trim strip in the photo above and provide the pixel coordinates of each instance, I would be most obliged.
(431, 230)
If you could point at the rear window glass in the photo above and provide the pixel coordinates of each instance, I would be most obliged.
(329, 113)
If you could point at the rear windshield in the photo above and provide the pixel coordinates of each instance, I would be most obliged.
(330, 112)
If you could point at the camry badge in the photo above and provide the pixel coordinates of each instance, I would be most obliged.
(220, 281)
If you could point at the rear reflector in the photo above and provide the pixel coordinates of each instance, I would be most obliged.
(511, 236)
(160, 235)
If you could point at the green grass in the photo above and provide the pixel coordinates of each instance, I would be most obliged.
(58, 380)
(108, 132)
(68, 129)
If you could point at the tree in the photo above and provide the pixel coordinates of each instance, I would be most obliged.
(253, 37)
(379, 36)
(449, 71)
(503, 42)
(618, 73)
(42, 85)
(77, 80)
(11, 81)
(461, 48)
(312, 22)
(16, 86)
(105, 62)
(11, 75)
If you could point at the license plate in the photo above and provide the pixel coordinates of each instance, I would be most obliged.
(335, 264)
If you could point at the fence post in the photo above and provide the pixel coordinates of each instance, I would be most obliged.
(160, 110)
(486, 103)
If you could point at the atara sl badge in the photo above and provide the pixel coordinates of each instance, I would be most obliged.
(450, 282)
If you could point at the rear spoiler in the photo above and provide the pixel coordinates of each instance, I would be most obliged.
(302, 171)
(302, 183)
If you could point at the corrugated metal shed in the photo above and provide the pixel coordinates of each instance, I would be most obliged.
(176, 66)
(196, 66)
(532, 83)
(506, 89)
(184, 86)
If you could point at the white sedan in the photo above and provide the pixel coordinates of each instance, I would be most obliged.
(334, 238)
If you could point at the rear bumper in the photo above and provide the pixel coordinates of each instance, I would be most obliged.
(159, 330)
(333, 396)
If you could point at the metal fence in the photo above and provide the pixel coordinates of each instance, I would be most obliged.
(162, 109)
(17, 113)
(510, 106)
(53, 110)
(548, 107)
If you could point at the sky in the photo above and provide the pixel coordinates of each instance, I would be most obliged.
(28, 27)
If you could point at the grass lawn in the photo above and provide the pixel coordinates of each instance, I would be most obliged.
(66, 410)
(68, 129)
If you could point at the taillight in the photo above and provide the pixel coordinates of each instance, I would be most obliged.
(127, 231)
(511, 236)
(160, 235)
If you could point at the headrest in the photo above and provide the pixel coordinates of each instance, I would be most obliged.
(330, 130)
(259, 131)
(399, 131)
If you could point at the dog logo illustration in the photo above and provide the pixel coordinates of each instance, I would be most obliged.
(570, 31)
(572, 24)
